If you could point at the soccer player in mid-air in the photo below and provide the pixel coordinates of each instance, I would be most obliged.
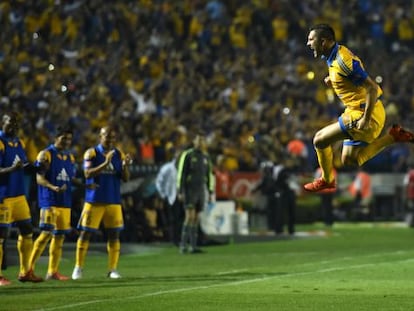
(363, 119)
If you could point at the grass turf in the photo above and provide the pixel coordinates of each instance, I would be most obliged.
(354, 268)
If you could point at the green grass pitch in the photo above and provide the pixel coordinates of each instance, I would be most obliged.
(355, 267)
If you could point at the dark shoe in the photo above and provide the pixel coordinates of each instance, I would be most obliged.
(30, 277)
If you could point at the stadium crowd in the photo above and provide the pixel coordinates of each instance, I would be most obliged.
(239, 70)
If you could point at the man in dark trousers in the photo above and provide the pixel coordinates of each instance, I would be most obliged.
(194, 179)
(281, 199)
(284, 198)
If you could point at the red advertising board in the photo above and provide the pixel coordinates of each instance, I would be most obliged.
(242, 184)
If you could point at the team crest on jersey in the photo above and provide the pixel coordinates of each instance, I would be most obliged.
(63, 176)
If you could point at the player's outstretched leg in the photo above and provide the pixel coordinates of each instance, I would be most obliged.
(401, 135)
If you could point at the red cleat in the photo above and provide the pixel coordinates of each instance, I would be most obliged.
(321, 186)
(56, 276)
(4, 281)
(401, 135)
(30, 277)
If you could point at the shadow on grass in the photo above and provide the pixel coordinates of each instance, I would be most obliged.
(200, 279)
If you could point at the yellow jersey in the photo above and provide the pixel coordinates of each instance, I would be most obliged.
(347, 74)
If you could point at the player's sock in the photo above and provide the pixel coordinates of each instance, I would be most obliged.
(113, 247)
(24, 247)
(325, 159)
(55, 253)
(193, 237)
(38, 247)
(373, 148)
(184, 236)
(81, 250)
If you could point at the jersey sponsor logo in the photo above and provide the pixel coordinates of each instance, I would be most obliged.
(109, 169)
(63, 175)
(16, 160)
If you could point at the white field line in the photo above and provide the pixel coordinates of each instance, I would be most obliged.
(195, 288)
(231, 272)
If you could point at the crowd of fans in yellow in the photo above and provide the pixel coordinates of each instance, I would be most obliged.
(238, 69)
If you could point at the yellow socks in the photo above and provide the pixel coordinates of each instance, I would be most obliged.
(373, 148)
(325, 159)
(55, 253)
(24, 247)
(113, 247)
(38, 247)
(81, 250)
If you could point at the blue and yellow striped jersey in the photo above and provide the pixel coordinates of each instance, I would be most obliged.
(347, 74)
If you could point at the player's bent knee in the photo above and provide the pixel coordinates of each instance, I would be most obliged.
(319, 142)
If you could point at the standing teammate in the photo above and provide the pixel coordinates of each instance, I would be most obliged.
(15, 208)
(194, 178)
(55, 172)
(105, 166)
(361, 123)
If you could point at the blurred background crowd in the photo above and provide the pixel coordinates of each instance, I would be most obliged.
(238, 69)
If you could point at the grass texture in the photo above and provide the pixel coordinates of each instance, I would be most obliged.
(352, 267)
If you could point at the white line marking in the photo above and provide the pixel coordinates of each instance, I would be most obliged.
(230, 272)
(188, 289)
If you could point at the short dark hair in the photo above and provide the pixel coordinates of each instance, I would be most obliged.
(12, 115)
(63, 129)
(324, 31)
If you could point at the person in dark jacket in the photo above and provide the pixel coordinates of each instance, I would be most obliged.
(194, 179)
(281, 199)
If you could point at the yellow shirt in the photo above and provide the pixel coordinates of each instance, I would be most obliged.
(347, 74)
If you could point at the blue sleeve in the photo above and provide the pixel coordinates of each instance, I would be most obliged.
(358, 75)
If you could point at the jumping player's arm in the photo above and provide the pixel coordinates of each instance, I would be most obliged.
(352, 67)
(372, 94)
